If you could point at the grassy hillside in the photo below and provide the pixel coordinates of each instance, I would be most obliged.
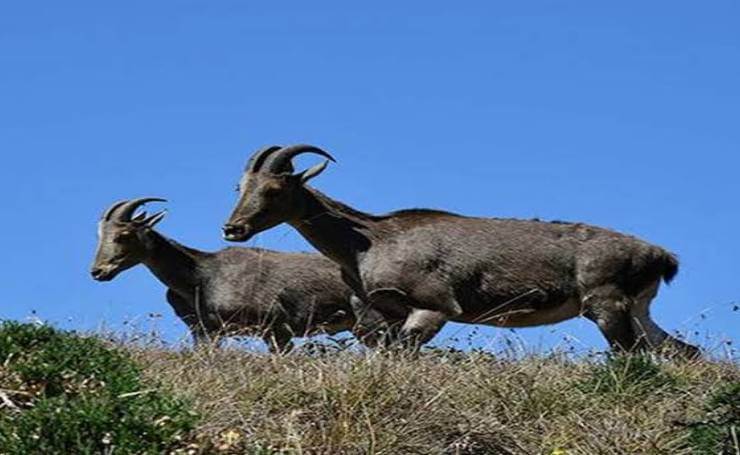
(65, 393)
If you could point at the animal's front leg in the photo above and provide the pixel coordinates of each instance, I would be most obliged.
(279, 339)
(202, 338)
(371, 327)
(421, 326)
(431, 307)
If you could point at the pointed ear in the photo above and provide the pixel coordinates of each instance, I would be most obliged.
(154, 219)
(312, 172)
(139, 218)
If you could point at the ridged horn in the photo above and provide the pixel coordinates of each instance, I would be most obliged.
(258, 158)
(124, 211)
(111, 209)
(280, 161)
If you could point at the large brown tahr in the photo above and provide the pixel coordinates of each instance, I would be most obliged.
(428, 267)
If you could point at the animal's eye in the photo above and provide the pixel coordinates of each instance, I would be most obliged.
(123, 236)
(237, 188)
(272, 192)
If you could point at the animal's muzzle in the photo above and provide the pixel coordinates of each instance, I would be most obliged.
(237, 232)
(101, 274)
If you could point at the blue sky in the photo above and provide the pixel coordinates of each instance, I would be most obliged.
(620, 114)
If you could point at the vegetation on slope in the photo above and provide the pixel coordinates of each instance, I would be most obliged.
(452, 402)
(62, 393)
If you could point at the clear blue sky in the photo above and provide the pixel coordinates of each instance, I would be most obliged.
(620, 114)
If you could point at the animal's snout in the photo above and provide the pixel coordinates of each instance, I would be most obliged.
(100, 273)
(233, 230)
(236, 232)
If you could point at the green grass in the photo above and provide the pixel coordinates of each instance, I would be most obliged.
(67, 393)
(628, 377)
(64, 393)
(719, 431)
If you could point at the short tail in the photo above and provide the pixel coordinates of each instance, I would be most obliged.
(669, 262)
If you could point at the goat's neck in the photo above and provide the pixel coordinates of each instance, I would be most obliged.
(173, 264)
(338, 231)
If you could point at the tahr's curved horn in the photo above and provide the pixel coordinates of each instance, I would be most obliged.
(111, 209)
(280, 161)
(258, 158)
(124, 211)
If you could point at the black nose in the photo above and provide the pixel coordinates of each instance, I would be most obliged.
(96, 272)
(234, 231)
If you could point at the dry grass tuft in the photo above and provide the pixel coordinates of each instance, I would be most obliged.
(439, 402)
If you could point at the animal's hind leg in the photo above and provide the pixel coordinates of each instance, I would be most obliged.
(372, 328)
(649, 335)
(608, 307)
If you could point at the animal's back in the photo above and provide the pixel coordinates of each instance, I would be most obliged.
(488, 260)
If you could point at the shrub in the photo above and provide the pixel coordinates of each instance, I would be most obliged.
(65, 393)
(720, 430)
(627, 375)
